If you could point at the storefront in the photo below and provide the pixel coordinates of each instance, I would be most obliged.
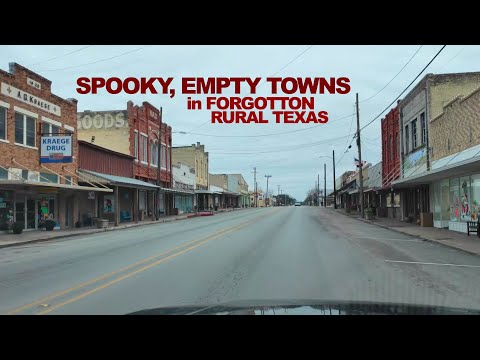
(32, 204)
(454, 191)
(456, 201)
(130, 199)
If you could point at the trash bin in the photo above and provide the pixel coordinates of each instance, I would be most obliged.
(175, 211)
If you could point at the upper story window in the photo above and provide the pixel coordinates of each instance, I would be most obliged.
(423, 125)
(25, 129)
(154, 153)
(50, 129)
(144, 148)
(414, 133)
(135, 143)
(407, 139)
(163, 156)
(3, 123)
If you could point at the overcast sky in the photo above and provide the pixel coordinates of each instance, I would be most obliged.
(292, 158)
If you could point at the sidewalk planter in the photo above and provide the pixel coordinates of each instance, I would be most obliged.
(17, 227)
(102, 223)
(370, 214)
(50, 225)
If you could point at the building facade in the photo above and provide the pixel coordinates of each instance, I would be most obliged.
(137, 131)
(424, 103)
(184, 180)
(389, 200)
(455, 142)
(196, 157)
(38, 153)
(113, 170)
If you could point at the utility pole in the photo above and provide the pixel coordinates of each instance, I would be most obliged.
(324, 185)
(334, 186)
(255, 187)
(359, 144)
(267, 176)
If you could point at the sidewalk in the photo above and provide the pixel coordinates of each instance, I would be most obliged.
(453, 239)
(28, 237)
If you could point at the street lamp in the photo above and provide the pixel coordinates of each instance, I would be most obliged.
(334, 186)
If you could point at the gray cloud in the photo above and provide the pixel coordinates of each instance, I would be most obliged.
(368, 67)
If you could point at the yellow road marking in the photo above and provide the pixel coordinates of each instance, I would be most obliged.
(128, 275)
(124, 269)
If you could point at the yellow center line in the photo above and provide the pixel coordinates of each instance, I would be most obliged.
(115, 272)
(142, 269)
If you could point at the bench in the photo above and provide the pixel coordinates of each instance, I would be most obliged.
(472, 227)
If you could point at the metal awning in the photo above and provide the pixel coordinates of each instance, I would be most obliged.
(177, 191)
(52, 185)
(201, 191)
(119, 180)
(462, 168)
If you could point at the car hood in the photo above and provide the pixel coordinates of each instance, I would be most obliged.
(307, 308)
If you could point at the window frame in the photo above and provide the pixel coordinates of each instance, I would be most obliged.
(163, 156)
(154, 153)
(24, 135)
(407, 138)
(2, 107)
(144, 148)
(135, 145)
(423, 127)
(414, 134)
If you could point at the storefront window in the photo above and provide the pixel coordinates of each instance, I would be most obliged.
(3, 174)
(437, 208)
(445, 199)
(475, 199)
(6, 209)
(465, 213)
(454, 199)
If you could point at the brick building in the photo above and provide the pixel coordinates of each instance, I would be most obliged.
(136, 132)
(38, 152)
(422, 104)
(389, 201)
(455, 170)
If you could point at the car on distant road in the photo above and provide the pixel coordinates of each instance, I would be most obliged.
(298, 204)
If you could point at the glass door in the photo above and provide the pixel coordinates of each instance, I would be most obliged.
(31, 220)
(20, 209)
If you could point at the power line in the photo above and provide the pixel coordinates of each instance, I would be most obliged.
(404, 66)
(99, 61)
(58, 57)
(449, 61)
(289, 148)
(416, 77)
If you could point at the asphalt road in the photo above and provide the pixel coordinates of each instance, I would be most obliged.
(284, 253)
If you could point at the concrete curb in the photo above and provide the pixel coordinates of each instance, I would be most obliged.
(456, 247)
(94, 231)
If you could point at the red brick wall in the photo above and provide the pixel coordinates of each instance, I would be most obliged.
(390, 151)
(28, 157)
(146, 119)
